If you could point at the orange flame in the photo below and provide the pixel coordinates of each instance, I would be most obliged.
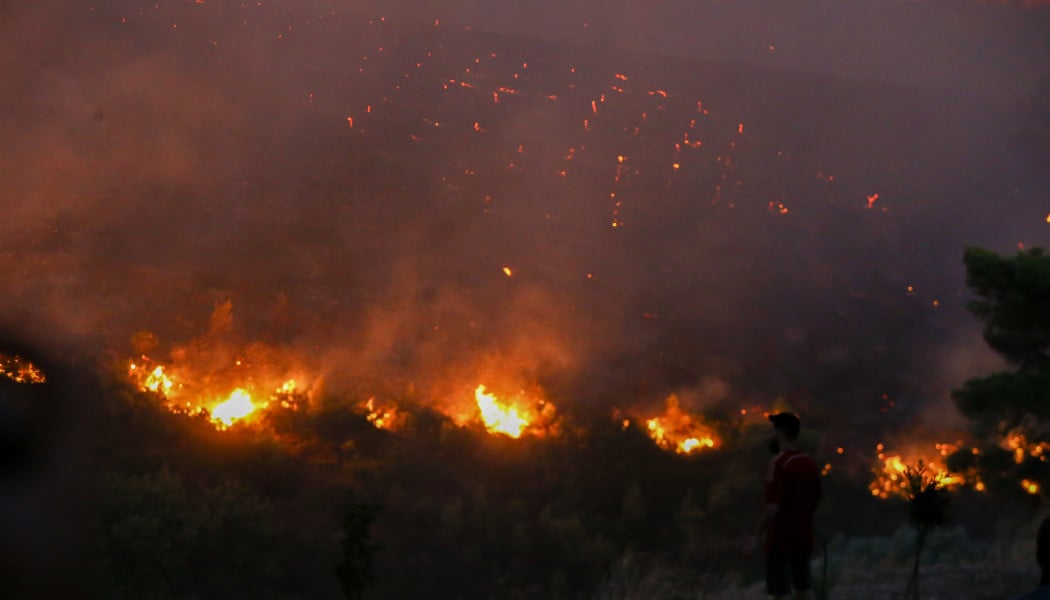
(677, 430)
(383, 417)
(19, 370)
(890, 473)
(238, 406)
(1020, 447)
(499, 417)
(224, 410)
(157, 381)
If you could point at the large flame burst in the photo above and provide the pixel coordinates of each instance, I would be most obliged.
(224, 409)
(679, 431)
(512, 419)
(238, 406)
(891, 470)
(19, 370)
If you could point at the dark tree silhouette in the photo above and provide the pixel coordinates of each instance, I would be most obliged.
(1014, 305)
(928, 502)
(357, 557)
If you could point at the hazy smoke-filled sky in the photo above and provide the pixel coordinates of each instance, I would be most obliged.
(162, 159)
(936, 43)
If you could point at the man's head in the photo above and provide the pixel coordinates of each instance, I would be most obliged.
(785, 430)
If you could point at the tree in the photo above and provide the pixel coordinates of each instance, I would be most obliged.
(357, 558)
(1010, 409)
(165, 538)
(928, 502)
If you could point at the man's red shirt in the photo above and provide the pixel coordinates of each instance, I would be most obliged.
(793, 484)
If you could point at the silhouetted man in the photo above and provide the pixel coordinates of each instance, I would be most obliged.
(1042, 554)
(791, 498)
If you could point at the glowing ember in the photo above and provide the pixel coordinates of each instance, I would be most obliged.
(890, 473)
(1016, 443)
(1030, 486)
(237, 406)
(20, 370)
(1021, 447)
(499, 417)
(677, 430)
(778, 207)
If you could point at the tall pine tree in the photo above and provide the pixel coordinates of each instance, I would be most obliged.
(1011, 409)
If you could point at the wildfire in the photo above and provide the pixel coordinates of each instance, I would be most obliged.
(1030, 486)
(499, 417)
(383, 417)
(237, 406)
(1020, 447)
(677, 430)
(20, 370)
(223, 409)
(513, 419)
(890, 473)
(157, 381)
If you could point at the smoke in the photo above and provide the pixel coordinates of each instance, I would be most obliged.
(970, 44)
(162, 161)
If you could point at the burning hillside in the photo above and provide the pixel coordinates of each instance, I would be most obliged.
(217, 377)
(454, 251)
(185, 395)
(396, 198)
(428, 195)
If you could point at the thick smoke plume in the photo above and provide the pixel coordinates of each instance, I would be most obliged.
(162, 160)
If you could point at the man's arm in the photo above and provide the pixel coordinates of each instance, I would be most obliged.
(765, 521)
(766, 517)
(771, 499)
